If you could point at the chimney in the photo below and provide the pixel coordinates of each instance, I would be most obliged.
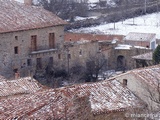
(28, 2)
(17, 75)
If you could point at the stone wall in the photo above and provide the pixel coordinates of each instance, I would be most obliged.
(139, 88)
(80, 52)
(22, 40)
(127, 54)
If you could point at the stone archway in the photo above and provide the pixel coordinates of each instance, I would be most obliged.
(121, 63)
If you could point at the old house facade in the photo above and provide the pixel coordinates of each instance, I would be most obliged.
(80, 51)
(144, 82)
(30, 36)
(117, 53)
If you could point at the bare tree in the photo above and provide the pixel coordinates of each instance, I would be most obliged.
(66, 9)
(95, 65)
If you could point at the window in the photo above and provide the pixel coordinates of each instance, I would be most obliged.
(16, 37)
(34, 42)
(51, 60)
(29, 62)
(39, 63)
(125, 82)
(80, 52)
(100, 49)
(69, 56)
(15, 70)
(51, 40)
(16, 50)
(59, 56)
(153, 45)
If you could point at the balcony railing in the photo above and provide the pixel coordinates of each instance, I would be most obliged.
(41, 49)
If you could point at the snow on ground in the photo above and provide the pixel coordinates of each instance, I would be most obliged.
(77, 18)
(93, 1)
(144, 24)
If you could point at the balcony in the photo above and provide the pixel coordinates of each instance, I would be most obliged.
(42, 50)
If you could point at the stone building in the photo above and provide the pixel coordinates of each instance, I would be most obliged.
(144, 82)
(118, 54)
(143, 60)
(81, 51)
(121, 56)
(93, 44)
(30, 38)
(141, 39)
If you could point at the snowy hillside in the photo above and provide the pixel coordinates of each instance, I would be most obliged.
(144, 24)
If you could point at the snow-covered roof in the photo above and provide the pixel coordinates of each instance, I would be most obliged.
(16, 17)
(123, 47)
(145, 56)
(21, 1)
(104, 97)
(140, 36)
(149, 75)
(18, 86)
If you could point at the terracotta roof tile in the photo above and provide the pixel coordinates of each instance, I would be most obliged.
(140, 36)
(19, 86)
(105, 96)
(16, 16)
(149, 75)
(145, 56)
(84, 36)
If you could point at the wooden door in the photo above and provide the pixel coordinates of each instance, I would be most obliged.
(34, 43)
(51, 40)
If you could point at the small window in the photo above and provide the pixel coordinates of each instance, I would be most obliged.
(51, 60)
(69, 56)
(39, 63)
(16, 37)
(125, 82)
(80, 52)
(59, 56)
(16, 50)
(15, 70)
(29, 62)
(100, 49)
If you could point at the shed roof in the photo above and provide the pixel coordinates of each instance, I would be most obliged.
(17, 16)
(145, 56)
(140, 36)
